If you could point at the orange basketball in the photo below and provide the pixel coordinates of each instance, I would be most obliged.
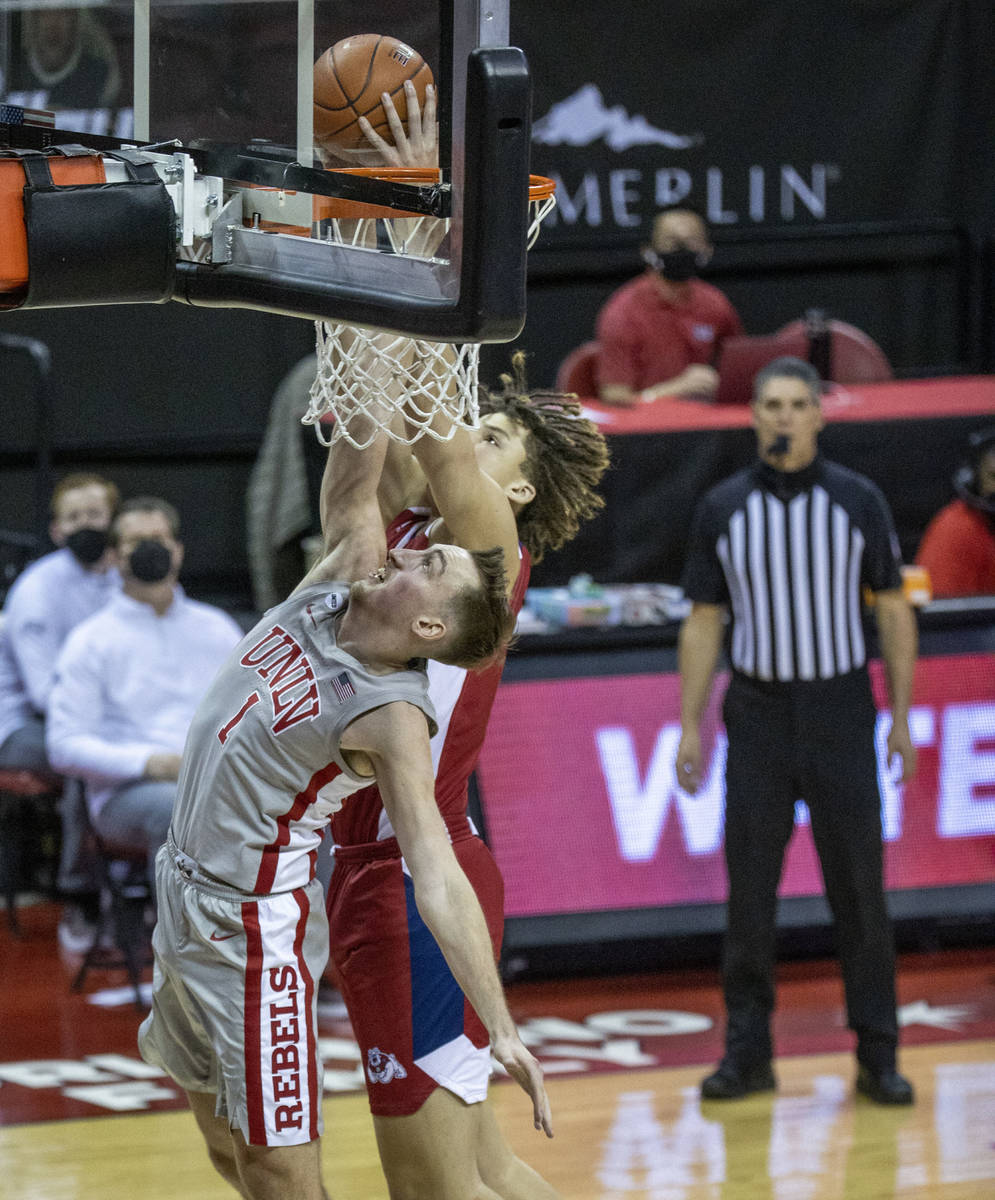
(349, 79)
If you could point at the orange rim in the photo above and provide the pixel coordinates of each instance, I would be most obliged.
(541, 188)
(325, 207)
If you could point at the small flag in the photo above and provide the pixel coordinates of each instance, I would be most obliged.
(342, 687)
(14, 114)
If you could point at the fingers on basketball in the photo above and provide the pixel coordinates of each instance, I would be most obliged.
(349, 80)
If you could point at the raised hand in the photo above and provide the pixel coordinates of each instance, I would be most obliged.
(416, 146)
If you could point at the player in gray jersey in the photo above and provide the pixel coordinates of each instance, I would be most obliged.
(326, 694)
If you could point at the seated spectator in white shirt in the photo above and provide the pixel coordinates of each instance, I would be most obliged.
(48, 599)
(129, 680)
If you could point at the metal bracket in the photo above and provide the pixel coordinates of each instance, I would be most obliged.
(221, 238)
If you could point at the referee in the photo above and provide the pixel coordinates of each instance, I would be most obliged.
(788, 544)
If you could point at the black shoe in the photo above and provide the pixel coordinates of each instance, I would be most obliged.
(730, 1082)
(885, 1087)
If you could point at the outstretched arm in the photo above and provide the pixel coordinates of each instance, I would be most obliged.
(395, 738)
(475, 509)
(402, 482)
(352, 532)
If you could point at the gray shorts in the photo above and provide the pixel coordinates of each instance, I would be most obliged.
(234, 999)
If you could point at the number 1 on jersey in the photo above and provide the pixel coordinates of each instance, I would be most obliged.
(223, 733)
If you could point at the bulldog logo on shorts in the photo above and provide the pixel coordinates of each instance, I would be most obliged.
(383, 1067)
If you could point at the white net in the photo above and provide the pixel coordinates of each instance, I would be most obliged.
(370, 379)
(538, 209)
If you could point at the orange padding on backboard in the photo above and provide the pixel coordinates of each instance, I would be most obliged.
(13, 235)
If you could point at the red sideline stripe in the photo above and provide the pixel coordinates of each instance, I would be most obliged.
(271, 853)
(252, 1032)
(312, 1046)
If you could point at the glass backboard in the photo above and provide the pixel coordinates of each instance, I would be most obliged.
(222, 94)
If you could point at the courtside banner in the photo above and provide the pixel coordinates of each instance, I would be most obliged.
(749, 112)
(583, 812)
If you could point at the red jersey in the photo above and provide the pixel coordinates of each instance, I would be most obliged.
(958, 551)
(462, 700)
(645, 339)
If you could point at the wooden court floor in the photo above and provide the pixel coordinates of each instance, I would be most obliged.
(82, 1119)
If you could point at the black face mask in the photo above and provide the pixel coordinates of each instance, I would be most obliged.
(966, 479)
(87, 545)
(966, 487)
(150, 561)
(678, 265)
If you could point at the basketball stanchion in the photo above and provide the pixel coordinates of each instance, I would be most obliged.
(406, 386)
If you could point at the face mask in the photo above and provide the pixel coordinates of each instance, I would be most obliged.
(678, 265)
(150, 561)
(966, 487)
(87, 545)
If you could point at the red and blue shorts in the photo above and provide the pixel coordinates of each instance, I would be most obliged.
(415, 1029)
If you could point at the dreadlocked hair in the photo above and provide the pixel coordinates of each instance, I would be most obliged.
(565, 457)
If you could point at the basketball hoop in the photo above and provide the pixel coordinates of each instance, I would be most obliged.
(370, 379)
(542, 198)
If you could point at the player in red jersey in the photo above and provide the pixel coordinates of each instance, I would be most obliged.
(527, 475)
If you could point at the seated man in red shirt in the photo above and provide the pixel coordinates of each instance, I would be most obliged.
(958, 547)
(660, 334)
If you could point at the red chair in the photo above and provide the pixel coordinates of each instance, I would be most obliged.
(578, 372)
(854, 357)
(742, 356)
(20, 790)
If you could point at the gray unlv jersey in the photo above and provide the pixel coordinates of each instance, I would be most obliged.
(262, 768)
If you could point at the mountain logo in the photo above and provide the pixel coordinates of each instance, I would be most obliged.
(584, 117)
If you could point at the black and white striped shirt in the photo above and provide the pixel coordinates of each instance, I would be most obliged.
(791, 553)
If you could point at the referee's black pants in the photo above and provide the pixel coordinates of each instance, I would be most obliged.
(812, 741)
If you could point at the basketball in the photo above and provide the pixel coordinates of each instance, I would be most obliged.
(349, 79)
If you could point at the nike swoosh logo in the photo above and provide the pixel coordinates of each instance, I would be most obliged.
(221, 937)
